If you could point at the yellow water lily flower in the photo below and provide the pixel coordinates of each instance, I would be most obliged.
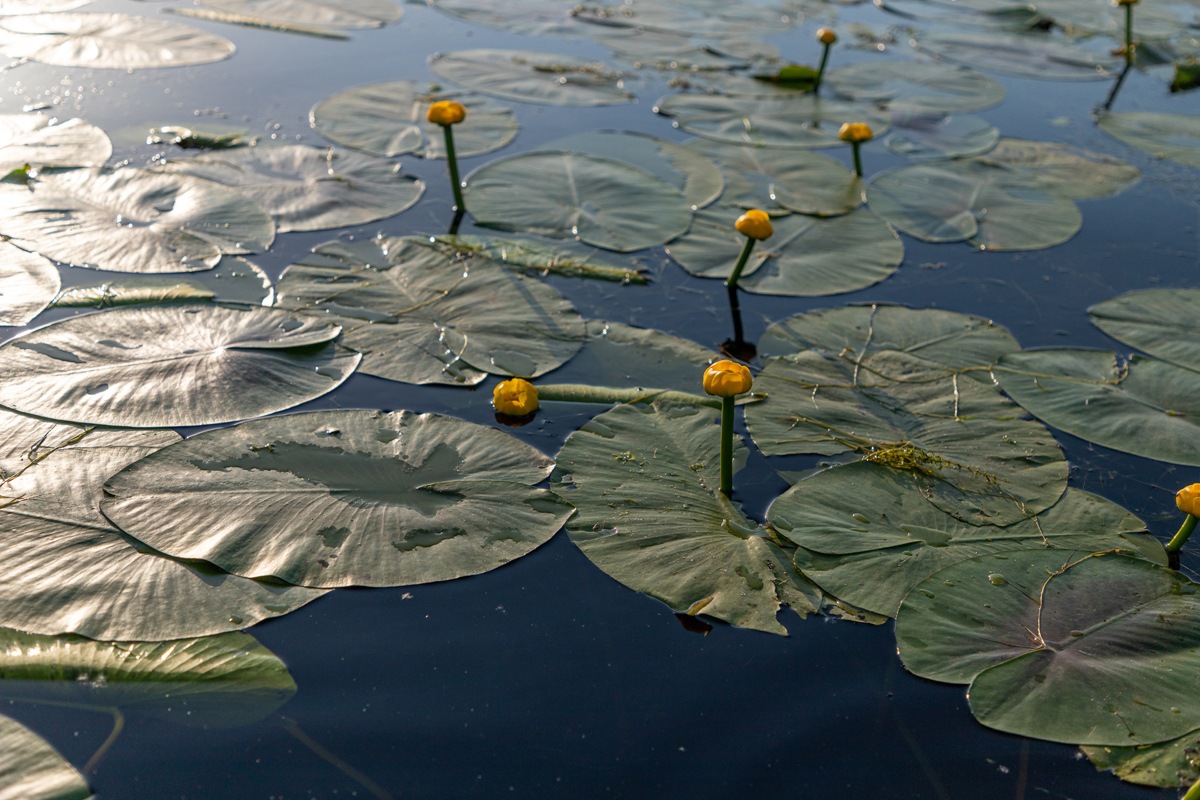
(755, 223)
(856, 132)
(446, 112)
(826, 36)
(515, 397)
(727, 379)
(1187, 499)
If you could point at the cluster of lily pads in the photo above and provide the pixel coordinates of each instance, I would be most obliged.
(934, 498)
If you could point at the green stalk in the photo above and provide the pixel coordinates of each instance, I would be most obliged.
(854, 146)
(1181, 536)
(741, 263)
(727, 446)
(821, 68)
(454, 181)
(1129, 33)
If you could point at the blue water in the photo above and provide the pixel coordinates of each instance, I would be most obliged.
(546, 678)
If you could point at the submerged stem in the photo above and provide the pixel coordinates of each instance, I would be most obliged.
(114, 734)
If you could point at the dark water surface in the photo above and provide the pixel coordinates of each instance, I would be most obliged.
(546, 678)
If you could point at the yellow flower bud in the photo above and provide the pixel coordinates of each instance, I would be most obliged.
(515, 397)
(446, 112)
(1188, 499)
(855, 132)
(826, 36)
(727, 379)
(755, 224)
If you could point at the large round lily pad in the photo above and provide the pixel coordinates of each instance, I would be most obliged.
(114, 41)
(935, 137)
(867, 535)
(644, 480)
(1170, 764)
(310, 188)
(33, 770)
(533, 77)
(534, 17)
(321, 13)
(39, 141)
(600, 201)
(802, 120)
(342, 498)
(967, 444)
(1071, 171)
(916, 86)
(805, 256)
(1049, 58)
(423, 313)
(223, 680)
(150, 367)
(991, 206)
(233, 280)
(1142, 406)
(133, 220)
(1162, 135)
(1084, 647)
(68, 570)
(389, 119)
(28, 283)
(1161, 322)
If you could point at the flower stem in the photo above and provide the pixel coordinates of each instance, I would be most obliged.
(731, 284)
(854, 146)
(459, 205)
(821, 68)
(1129, 33)
(727, 446)
(1181, 536)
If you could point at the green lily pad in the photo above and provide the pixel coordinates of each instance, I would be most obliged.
(1028, 56)
(714, 19)
(805, 256)
(1161, 322)
(927, 137)
(793, 121)
(539, 259)
(960, 341)
(779, 181)
(33, 770)
(619, 355)
(40, 141)
(533, 17)
(112, 41)
(389, 119)
(14, 7)
(1071, 647)
(1170, 764)
(533, 77)
(133, 220)
(867, 535)
(421, 314)
(967, 443)
(216, 681)
(600, 201)
(690, 172)
(28, 283)
(916, 86)
(1061, 168)
(233, 280)
(992, 207)
(652, 49)
(1081, 18)
(1142, 406)
(68, 570)
(1162, 135)
(323, 13)
(309, 188)
(342, 498)
(644, 480)
(171, 366)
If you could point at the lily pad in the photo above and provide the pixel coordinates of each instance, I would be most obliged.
(13, 7)
(309, 188)
(688, 171)
(342, 498)
(805, 257)
(113, 41)
(978, 459)
(960, 341)
(1170, 764)
(217, 681)
(421, 314)
(534, 77)
(171, 366)
(1161, 322)
(1028, 56)
(233, 280)
(926, 137)
(39, 141)
(715, 19)
(1085, 647)
(799, 121)
(389, 119)
(600, 201)
(619, 355)
(652, 49)
(992, 207)
(28, 283)
(1162, 135)
(867, 535)
(1142, 406)
(916, 86)
(323, 13)
(537, 258)
(1071, 171)
(644, 480)
(533, 17)
(68, 570)
(33, 770)
(133, 220)
(789, 180)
